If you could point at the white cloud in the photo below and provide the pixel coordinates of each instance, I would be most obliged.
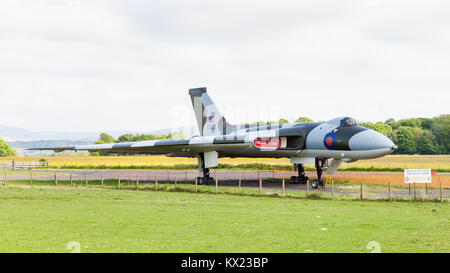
(108, 65)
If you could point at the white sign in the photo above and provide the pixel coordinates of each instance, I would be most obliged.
(417, 176)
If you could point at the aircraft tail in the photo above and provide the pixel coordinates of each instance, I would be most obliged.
(209, 119)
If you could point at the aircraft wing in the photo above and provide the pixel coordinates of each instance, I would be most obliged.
(174, 147)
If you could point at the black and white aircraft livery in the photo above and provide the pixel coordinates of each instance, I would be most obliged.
(339, 140)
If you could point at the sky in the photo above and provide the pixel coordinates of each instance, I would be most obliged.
(75, 65)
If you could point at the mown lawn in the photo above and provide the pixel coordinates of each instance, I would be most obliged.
(46, 219)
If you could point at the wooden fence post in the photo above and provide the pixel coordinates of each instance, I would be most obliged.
(390, 191)
(71, 184)
(332, 189)
(284, 188)
(56, 180)
(137, 182)
(415, 196)
(85, 179)
(307, 188)
(260, 186)
(176, 183)
(118, 182)
(102, 180)
(196, 182)
(240, 181)
(217, 184)
(361, 196)
(156, 183)
(426, 190)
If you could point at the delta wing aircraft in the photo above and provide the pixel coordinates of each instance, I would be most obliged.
(338, 140)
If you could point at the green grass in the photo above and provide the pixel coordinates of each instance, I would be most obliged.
(45, 219)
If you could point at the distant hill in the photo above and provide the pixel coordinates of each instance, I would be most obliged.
(9, 134)
(14, 134)
(47, 143)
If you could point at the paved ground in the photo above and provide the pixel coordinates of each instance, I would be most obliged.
(250, 179)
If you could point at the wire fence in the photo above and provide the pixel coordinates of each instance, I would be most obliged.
(339, 186)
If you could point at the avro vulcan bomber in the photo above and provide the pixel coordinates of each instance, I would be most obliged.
(325, 144)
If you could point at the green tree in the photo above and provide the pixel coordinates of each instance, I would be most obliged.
(410, 122)
(418, 134)
(303, 119)
(283, 120)
(426, 123)
(5, 149)
(391, 122)
(126, 138)
(142, 137)
(106, 138)
(380, 127)
(405, 140)
(425, 146)
(441, 130)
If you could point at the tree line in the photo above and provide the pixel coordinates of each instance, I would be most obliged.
(105, 138)
(416, 135)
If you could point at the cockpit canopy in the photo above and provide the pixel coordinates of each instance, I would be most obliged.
(343, 122)
(347, 122)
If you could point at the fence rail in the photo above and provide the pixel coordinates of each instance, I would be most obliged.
(13, 164)
(269, 181)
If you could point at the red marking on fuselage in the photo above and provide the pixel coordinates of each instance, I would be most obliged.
(329, 141)
(267, 142)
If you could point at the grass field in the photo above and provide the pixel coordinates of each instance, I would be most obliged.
(46, 219)
(388, 162)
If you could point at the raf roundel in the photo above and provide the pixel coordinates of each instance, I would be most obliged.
(329, 141)
(211, 117)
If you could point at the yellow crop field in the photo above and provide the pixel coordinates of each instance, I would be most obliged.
(392, 161)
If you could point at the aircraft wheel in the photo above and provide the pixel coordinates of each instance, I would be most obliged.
(200, 180)
(304, 180)
(210, 181)
(314, 184)
(321, 183)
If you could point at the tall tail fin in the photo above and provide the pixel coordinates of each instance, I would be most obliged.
(209, 119)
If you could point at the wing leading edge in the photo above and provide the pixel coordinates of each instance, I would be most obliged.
(166, 146)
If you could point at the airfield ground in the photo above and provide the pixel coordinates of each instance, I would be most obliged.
(46, 219)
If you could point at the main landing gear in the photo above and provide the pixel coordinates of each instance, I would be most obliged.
(319, 183)
(205, 179)
(301, 178)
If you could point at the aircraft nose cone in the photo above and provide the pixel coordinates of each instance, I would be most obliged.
(370, 140)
